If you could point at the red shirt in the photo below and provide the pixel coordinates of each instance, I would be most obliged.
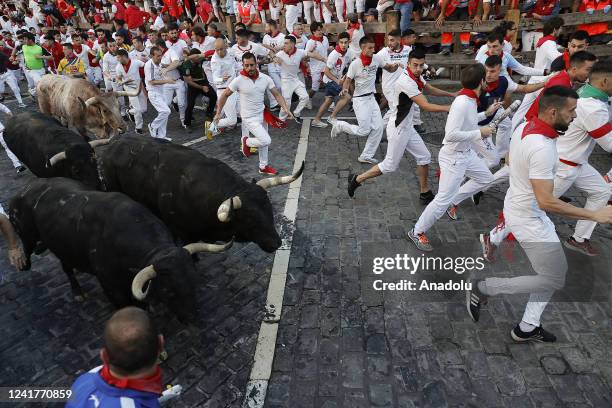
(543, 7)
(57, 52)
(204, 10)
(561, 79)
(134, 17)
(120, 14)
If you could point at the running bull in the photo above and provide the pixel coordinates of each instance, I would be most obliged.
(199, 198)
(112, 237)
(78, 103)
(48, 149)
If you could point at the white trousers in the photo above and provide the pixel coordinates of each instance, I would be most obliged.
(400, 139)
(180, 90)
(94, 75)
(33, 76)
(360, 6)
(139, 106)
(350, 6)
(319, 9)
(317, 78)
(416, 115)
(260, 139)
(10, 79)
(308, 5)
(229, 110)
(530, 39)
(276, 78)
(160, 123)
(288, 88)
(291, 16)
(11, 156)
(275, 12)
(539, 240)
(369, 123)
(340, 10)
(454, 166)
(110, 85)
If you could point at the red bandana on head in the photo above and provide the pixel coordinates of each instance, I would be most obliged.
(544, 39)
(340, 50)
(365, 60)
(153, 383)
(536, 126)
(470, 93)
(418, 81)
(246, 74)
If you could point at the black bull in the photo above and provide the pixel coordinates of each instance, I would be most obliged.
(199, 198)
(49, 149)
(110, 236)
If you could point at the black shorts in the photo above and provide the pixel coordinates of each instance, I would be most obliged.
(332, 89)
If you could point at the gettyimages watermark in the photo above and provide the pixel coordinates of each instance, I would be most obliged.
(397, 270)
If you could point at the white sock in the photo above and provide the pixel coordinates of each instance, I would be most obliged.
(578, 239)
(526, 327)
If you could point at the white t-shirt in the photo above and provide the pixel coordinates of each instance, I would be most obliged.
(221, 67)
(109, 64)
(169, 57)
(404, 87)
(83, 55)
(274, 42)
(251, 94)
(546, 54)
(391, 57)
(533, 157)
(158, 23)
(132, 73)
(207, 45)
(336, 63)
(590, 127)
(257, 49)
(356, 35)
(320, 48)
(290, 65)
(177, 47)
(462, 124)
(365, 77)
(153, 73)
(139, 55)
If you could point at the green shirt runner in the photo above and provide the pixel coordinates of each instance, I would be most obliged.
(30, 52)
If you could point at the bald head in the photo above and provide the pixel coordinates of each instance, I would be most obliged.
(221, 47)
(131, 341)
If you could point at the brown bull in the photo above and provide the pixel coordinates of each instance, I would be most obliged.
(79, 104)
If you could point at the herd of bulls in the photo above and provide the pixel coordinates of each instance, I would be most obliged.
(122, 223)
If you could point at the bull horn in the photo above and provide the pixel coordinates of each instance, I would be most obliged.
(57, 157)
(128, 94)
(277, 181)
(196, 247)
(90, 101)
(226, 207)
(99, 142)
(140, 280)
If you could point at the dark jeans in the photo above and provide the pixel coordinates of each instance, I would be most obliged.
(192, 94)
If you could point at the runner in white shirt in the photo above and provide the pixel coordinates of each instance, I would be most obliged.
(316, 48)
(139, 51)
(243, 45)
(401, 135)
(300, 38)
(204, 43)
(170, 62)
(355, 30)
(155, 83)
(274, 41)
(457, 159)
(128, 69)
(109, 72)
(158, 22)
(530, 196)
(289, 60)
(393, 53)
(252, 86)
(546, 48)
(224, 71)
(369, 119)
(16, 162)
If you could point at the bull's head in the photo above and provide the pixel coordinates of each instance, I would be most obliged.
(104, 115)
(251, 215)
(78, 162)
(174, 273)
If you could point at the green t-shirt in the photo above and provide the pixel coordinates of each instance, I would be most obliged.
(29, 55)
(195, 71)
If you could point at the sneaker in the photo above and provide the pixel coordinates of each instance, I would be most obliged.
(538, 334)
(184, 125)
(318, 124)
(474, 299)
(583, 247)
(139, 131)
(419, 128)
(332, 107)
(20, 169)
(421, 241)
(268, 170)
(166, 138)
(246, 151)
(22, 105)
(334, 131)
(476, 197)
(426, 197)
(152, 132)
(467, 51)
(445, 51)
(368, 160)
(297, 119)
(309, 104)
(452, 212)
(487, 247)
(352, 184)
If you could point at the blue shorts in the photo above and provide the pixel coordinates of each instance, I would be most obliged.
(332, 89)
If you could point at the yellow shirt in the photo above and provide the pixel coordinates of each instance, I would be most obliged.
(74, 66)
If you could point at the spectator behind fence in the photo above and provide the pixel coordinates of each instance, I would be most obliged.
(130, 375)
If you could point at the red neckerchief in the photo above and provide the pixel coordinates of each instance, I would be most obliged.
(470, 93)
(566, 58)
(297, 37)
(365, 60)
(246, 74)
(175, 41)
(315, 38)
(152, 383)
(501, 54)
(418, 81)
(294, 51)
(354, 26)
(536, 126)
(77, 50)
(544, 39)
(507, 38)
(126, 67)
(340, 50)
(492, 85)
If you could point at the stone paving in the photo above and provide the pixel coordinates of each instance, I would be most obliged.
(335, 348)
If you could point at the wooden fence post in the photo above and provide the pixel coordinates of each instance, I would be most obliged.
(513, 15)
(392, 20)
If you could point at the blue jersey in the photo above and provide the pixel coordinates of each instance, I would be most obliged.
(91, 391)
(488, 97)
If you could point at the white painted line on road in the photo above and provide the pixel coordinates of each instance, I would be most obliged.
(257, 386)
(194, 141)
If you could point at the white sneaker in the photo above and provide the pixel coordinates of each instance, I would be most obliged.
(164, 138)
(318, 124)
(22, 105)
(332, 121)
(335, 131)
(309, 104)
(369, 160)
(152, 131)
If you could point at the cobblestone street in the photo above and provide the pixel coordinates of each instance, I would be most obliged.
(337, 346)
